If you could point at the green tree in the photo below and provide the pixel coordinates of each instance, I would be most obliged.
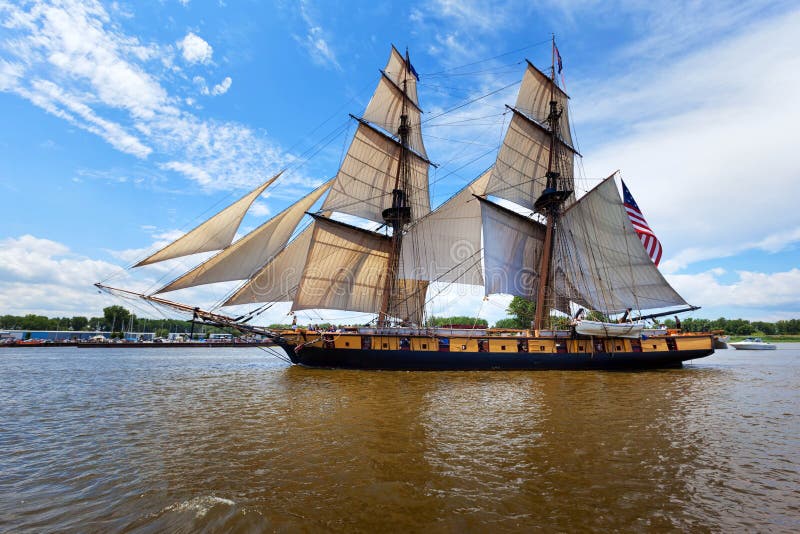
(116, 317)
(79, 323)
(162, 332)
(522, 311)
(37, 322)
(457, 320)
(508, 322)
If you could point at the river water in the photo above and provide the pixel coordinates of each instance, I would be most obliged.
(218, 440)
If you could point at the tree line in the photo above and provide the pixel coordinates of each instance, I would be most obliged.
(521, 313)
(114, 319)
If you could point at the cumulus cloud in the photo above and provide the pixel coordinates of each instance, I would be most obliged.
(195, 49)
(219, 89)
(769, 292)
(709, 157)
(43, 276)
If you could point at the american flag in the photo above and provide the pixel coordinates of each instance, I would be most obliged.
(649, 239)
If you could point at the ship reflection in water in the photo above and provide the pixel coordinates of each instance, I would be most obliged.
(159, 441)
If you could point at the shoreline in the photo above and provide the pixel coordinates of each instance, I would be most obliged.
(135, 345)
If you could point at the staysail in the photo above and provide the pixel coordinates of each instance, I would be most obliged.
(214, 234)
(243, 258)
(277, 281)
(445, 245)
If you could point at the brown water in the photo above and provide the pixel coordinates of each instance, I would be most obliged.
(232, 440)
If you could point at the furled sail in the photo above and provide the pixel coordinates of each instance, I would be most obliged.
(603, 259)
(214, 234)
(363, 187)
(445, 245)
(519, 174)
(390, 100)
(512, 248)
(277, 281)
(243, 258)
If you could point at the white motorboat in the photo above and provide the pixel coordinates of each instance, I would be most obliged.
(752, 343)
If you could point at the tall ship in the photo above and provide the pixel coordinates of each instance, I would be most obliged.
(517, 229)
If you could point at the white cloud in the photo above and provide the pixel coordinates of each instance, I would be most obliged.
(72, 61)
(259, 209)
(461, 29)
(222, 87)
(751, 290)
(43, 276)
(194, 172)
(195, 49)
(315, 40)
(219, 89)
(705, 143)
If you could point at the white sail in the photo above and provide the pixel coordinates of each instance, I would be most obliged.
(363, 187)
(521, 166)
(603, 258)
(277, 281)
(512, 248)
(389, 101)
(243, 258)
(214, 234)
(398, 70)
(345, 269)
(534, 98)
(445, 245)
(520, 173)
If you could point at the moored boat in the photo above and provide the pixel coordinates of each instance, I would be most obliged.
(752, 343)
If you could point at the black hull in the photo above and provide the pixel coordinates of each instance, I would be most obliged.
(408, 360)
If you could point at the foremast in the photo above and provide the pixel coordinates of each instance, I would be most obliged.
(550, 202)
(398, 215)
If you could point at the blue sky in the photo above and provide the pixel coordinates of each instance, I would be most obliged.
(124, 123)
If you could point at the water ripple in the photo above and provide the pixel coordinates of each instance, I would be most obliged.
(231, 440)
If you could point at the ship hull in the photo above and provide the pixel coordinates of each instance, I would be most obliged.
(412, 360)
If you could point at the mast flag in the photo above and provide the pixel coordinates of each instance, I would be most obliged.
(412, 70)
(558, 58)
(651, 243)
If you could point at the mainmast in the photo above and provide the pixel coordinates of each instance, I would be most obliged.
(551, 199)
(399, 215)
